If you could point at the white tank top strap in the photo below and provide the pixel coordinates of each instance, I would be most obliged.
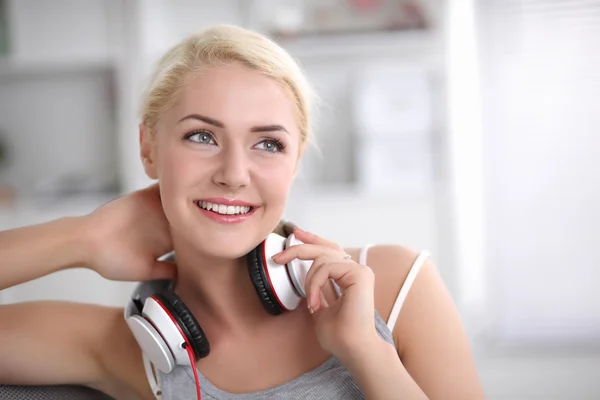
(410, 278)
(362, 256)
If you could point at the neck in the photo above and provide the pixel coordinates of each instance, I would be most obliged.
(218, 290)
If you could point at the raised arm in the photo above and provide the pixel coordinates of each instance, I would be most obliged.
(31, 252)
(120, 240)
(60, 342)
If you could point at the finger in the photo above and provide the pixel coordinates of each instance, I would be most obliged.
(323, 301)
(316, 265)
(303, 252)
(344, 273)
(163, 270)
(311, 238)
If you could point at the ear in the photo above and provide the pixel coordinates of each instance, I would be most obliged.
(147, 153)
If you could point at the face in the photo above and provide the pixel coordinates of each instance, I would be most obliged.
(225, 156)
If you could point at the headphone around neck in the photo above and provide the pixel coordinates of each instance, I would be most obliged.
(169, 334)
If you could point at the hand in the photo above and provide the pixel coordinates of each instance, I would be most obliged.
(125, 237)
(346, 325)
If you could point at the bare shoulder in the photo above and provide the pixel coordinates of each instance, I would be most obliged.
(391, 265)
(429, 333)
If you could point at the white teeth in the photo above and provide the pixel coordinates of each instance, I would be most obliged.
(223, 209)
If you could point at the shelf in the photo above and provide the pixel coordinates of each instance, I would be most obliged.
(417, 46)
(15, 66)
(359, 44)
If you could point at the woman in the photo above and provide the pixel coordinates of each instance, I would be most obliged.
(224, 122)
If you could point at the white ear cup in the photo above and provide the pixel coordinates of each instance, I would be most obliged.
(167, 325)
(287, 281)
(164, 349)
(151, 343)
(277, 274)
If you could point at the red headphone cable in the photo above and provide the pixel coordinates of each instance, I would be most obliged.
(190, 352)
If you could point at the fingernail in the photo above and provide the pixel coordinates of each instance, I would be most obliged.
(274, 256)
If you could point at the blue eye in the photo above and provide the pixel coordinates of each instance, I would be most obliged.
(201, 137)
(271, 146)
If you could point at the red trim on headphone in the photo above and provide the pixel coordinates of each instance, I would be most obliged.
(155, 328)
(189, 348)
(174, 322)
(264, 267)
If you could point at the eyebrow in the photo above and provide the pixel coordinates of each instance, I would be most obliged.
(218, 124)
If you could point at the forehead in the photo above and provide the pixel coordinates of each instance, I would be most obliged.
(236, 95)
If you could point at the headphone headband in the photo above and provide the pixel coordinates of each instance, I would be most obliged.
(144, 290)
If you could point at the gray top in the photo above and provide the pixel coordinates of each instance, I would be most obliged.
(331, 380)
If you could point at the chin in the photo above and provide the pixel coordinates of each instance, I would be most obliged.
(230, 246)
(232, 242)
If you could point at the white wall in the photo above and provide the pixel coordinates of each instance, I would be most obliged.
(541, 193)
(464, 139)
(356, 218)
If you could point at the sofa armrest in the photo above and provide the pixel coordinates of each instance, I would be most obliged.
(50, 392)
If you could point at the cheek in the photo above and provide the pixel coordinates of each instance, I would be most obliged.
(174, 165)
(176, 172)
(276, 182)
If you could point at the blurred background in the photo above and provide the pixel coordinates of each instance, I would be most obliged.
(468, 128)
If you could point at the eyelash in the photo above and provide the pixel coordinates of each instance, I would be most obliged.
(278, 144)
(187, 136)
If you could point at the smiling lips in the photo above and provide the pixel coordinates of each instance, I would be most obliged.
(225, 210)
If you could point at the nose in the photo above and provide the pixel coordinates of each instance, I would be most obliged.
(233, 171)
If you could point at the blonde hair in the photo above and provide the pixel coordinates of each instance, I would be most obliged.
(218, 46)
